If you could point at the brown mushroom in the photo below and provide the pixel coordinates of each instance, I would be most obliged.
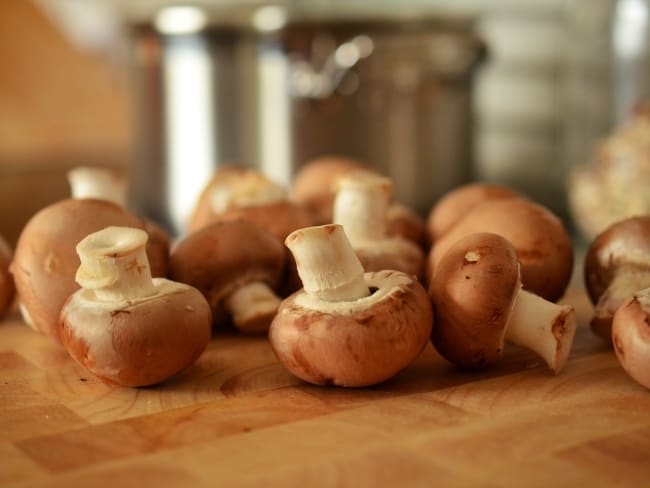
(7, 288)
(238, 267)
(123, 326)
(542, 242)
(345, 327)
(361, 207)
(617, 264)
(456, 203)
(631, 336)
(45, 260)
(479, 303)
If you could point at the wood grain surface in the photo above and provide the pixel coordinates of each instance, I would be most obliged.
(237, 418)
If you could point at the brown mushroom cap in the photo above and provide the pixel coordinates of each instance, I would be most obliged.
(404, 222)
(542, 243)
(472, 299)
(140, 343)
(45, 260)
(351, 343)
(631, 336)
(224, 256)
(7, 288)
(396, 254)
(455, 204)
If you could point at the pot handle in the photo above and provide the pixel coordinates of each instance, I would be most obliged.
(308, 82)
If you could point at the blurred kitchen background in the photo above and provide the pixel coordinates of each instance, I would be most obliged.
(434, 93)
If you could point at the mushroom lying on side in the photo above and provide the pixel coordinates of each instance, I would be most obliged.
(238, 267)
(479, 304)
(453, 206)
(345, 327)
(125, 327)
(631, 336)
(361, 207)
(543, 244)
(7, 288)
(617, 264)
(45, 260)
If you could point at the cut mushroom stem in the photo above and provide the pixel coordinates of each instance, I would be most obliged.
(114, 264)
(100, 183)
(248, 188)
(361, 206)
(250, 301)
(326, 263)
(628, 280)
(543, 327)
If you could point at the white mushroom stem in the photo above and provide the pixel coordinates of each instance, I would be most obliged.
(543, 327)
(100, 183)
(114, 264)
(244, 190)
(627, 281)
(250, 301)
(326, 263)
(361, 206)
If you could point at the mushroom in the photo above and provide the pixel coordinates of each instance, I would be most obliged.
(631, 336)
(124, 326)
(107, 184)
(347, 327)
(315, 186)
(479, 303)
(361, 207)
(7, 288)
(237, 266)
(456, 203)
(45, 260)
(617, 264)
(543, 245)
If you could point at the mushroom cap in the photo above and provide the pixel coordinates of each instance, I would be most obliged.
(396, 254)
(625, 243)
(137, 343)
(473, 291)
(355, 343)
(45, 259)
(542, 243)
(456, 203)
(224, 256)
(279, 218)
(631, 336)
(7, 288)
(314, 184)
(404, 222)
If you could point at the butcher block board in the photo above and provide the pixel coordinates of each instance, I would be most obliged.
(237, 418)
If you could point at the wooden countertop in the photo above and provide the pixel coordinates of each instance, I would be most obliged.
(237, 418)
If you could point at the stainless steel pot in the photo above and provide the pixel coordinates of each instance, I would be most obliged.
(272, 87)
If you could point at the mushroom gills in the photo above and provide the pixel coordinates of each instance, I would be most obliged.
(252, 306)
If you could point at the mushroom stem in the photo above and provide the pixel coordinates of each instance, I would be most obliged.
(361, 206)
(114, 264)
(326, 263)
(627, 281)
(543, 327)
(251, 300)
(100, 183)
(244, 190)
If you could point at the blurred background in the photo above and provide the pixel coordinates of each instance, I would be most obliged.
(434, 94)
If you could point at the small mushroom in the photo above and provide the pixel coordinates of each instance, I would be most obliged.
(7, 288)
(238, 267)
(45, 260)
(455, 204)
(361, 207)
(347, 327)
(631, 336)
(542, 242)
(123, 326)
(479, 303)
(617, 264)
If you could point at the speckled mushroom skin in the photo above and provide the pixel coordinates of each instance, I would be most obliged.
(354, 346)
(542, 243)
(45, 260)
(631, 337)
(7, 288)
(141, 343)
(472, 302)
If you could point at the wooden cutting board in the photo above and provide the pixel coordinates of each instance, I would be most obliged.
(237, 418)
